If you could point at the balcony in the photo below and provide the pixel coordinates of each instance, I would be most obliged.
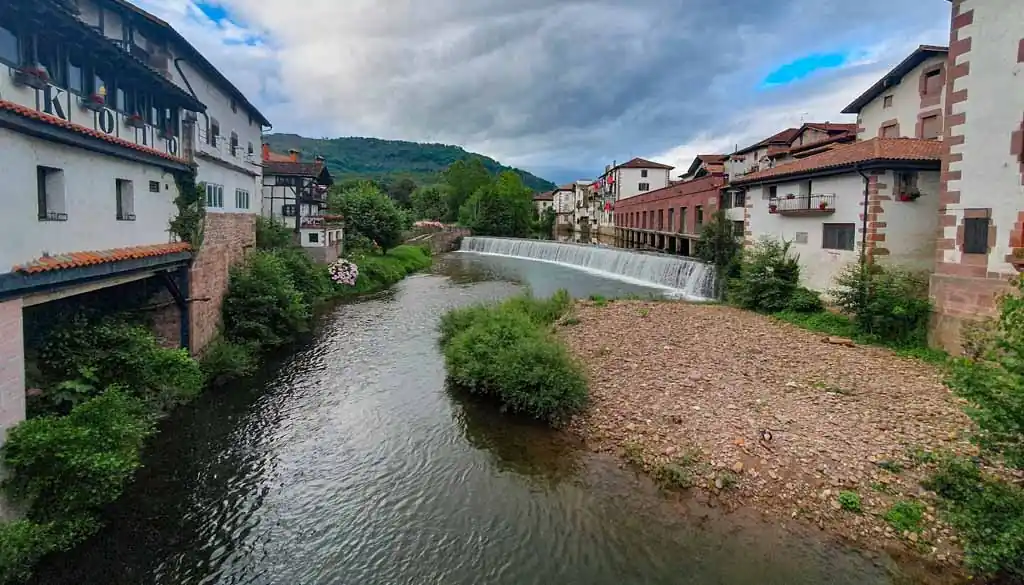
(820, 204)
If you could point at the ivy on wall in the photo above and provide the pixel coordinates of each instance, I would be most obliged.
(191, 203)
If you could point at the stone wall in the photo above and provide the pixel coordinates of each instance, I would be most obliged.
(12, 377)
(227, 239)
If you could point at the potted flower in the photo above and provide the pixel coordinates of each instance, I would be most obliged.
(34, 76)
(134, 121)
(773, 208)
(790, 196)
(911, 196)
(822, 205)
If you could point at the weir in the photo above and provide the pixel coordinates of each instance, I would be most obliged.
(688, 278)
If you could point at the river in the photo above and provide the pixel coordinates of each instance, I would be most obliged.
(348, 462)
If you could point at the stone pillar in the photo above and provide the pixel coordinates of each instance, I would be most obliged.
(12, 377)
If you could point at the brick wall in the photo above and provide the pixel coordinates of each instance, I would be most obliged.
(12, 366)
(227, 239)
(703, 192)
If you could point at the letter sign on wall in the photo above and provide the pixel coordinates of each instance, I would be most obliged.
(172, 145)
(51, 102)
(106, 121)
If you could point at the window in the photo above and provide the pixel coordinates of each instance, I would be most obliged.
(976, 235)
(643, 174)
(314, 238)
(8, 47)
(50, 190)
(737, 228)
(125, 200)
(234, 107)
(891, 131)
(801, 237)
(214, 132)
(887, 102)
(700, 216)
(241, 199)
(644, 186)
(739, 199)
(234, 143)
(661, 219)
(288, 210)
(771, 193)
(806, 188)
(906, 183)
(682, 220)
(931, 127)
(251, 149)
(671, 218)
(214, 195)
(933, 82)
(838, 236)
(76, 73)
(154, 186)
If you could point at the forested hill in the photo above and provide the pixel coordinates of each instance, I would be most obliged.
(385, 160)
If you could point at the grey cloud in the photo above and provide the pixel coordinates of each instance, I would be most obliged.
(553, 82)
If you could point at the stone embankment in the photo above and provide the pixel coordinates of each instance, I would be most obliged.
(761, 413)
(441, 241)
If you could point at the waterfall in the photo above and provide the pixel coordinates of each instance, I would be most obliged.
(686, 277)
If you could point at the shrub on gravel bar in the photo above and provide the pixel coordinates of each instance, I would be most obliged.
(507, 352)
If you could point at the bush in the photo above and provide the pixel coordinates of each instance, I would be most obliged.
(68, 467)
(988, 515)
(379, 271)
(886, 303)
(805, 301)
(224, 361)
(263, 307)
(24, 543)
(850, 501)
(905, 516)
(84, 356)
(768, 276)
(312, 280)
(273, 235)
(369, 213)
(506, 351)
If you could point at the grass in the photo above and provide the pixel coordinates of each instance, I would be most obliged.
(836, 325)
(850, 501)
(905, 516)
(379, 271)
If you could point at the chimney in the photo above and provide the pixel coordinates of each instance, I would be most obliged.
(294, 154)
(266, 151)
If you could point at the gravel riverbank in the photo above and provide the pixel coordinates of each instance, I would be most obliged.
(762, 413)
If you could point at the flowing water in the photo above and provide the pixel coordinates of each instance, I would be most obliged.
(350, 463)
(682, 277)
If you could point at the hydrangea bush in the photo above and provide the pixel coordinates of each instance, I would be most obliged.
(344, 272)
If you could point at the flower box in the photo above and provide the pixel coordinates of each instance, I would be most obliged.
(34, 77)
(908, 197)
(790, 196)
(823, 206)
(773, 209)
(94, 102)
(134, 121)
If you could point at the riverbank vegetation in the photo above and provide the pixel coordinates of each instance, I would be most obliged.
(508, 352)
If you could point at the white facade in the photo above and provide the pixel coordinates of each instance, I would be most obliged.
(991, 176)
(84, 187)
(227, 136)
(564, 201)
(630, 182)
(904, 105)
(909, 235)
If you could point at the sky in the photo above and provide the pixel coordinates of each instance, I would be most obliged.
(558, 87)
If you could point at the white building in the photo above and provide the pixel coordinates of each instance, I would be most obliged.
(564, 200)
(908, 101)
(818, 204)
(92, 150)
(295, 194)
(633, 178)
(228, 132)
(981, 243)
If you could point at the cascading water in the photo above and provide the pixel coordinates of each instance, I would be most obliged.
(686, 277)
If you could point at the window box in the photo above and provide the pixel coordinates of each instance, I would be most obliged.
(773, 208)
(33, 76)
(94, 102)
(134, 121)
(908, 197)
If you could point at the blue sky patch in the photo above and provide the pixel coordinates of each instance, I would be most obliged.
(804, 67)
(213, 11)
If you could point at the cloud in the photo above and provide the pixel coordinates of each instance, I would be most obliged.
(553, 84)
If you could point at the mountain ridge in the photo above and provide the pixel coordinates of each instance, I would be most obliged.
(355, 157)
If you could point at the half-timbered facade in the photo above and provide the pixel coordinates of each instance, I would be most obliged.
(295, 194)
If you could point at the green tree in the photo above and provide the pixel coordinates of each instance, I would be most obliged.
(720, 246)
(401, 191)
(502, 208)
(546, 223)
(369, 213)
(430, 203)
(464, 178)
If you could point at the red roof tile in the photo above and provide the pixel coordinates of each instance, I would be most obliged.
(79, 259)
(60, 123)
(876, 149)
(785, 136)
(545, 196)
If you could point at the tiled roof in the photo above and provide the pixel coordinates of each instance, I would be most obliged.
(920, 55)
(712, 158)
(569, 187)
(786, 136)
(640, 163)
(830, 127)
(545, 196)
(274, 157)
(874, 150)
(61, 123)
(291, 168)
(80, 259)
